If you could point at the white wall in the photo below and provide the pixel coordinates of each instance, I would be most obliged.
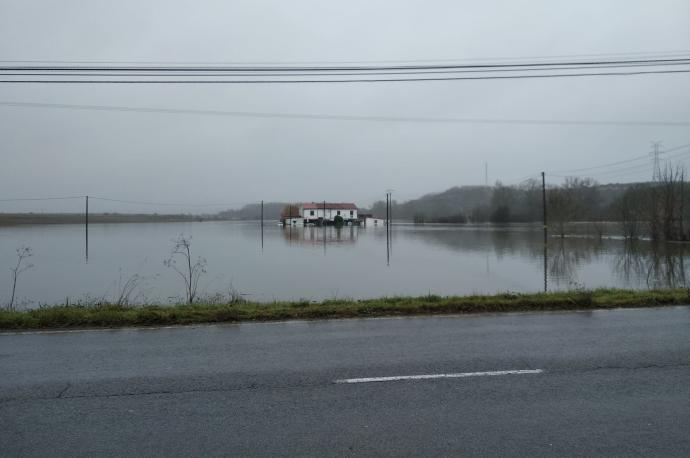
(330, 213)
(375, 222)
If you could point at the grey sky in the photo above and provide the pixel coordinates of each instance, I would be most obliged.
(214, 159)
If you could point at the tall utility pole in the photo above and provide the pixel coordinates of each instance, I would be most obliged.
(386, 212)
(262, 225)
(86, 226)
(388, 243)
(656, 151)
(543, 203)
(543, 200)
(486, 174)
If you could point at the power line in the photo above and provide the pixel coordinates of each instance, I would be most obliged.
(583, 169)
(354, 80)
(527, 65)
(198, 74)
(633, 159)
(226, 73)
(40, 198)
(503, 58)
(634, 168)
(252, 114)
(232, 72)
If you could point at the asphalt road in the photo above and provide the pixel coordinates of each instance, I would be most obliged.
(613, 383)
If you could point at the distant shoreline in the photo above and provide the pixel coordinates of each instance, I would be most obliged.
(24, 219)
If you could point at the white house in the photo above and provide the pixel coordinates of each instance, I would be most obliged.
(374, 222)
(315, 211)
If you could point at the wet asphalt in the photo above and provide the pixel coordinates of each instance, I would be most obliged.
(613, 383)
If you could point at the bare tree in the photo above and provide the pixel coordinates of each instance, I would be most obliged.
(662, 205)
(577, 197)
(562, 208)
(631, 209)
(290, 211)
(189, 272)
(670, 201)
(24, 252)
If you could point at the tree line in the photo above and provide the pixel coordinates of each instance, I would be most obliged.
(657, 209)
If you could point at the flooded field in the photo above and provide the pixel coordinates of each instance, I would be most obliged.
(316, 263)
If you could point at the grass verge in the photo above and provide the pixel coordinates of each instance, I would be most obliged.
(107, 315)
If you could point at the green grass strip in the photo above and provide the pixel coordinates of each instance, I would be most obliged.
(108, 315)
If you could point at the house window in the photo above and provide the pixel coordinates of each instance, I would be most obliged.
(338, 212)
(352, 213)
(311, 213)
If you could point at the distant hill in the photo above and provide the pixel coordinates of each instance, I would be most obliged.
(454, 201)
(481, 203)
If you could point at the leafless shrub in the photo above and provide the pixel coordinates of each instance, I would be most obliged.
(189, 272)
(125, 288)
(660, 207)
(570, 201)
(24, 252)
(631, 211)
(234, 295)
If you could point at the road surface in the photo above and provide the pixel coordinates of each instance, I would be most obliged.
(591, 383)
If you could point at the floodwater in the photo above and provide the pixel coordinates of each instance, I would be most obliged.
(315, 263)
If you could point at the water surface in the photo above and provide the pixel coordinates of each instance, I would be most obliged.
(315, 264)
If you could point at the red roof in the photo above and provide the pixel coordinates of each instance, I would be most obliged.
(329, 206)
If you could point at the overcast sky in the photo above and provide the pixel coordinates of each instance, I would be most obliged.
(198, 159)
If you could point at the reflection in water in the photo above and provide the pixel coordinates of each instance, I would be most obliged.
(658, 265)
(316, 235)
(563, 261)
(566, 258)
(443, 259)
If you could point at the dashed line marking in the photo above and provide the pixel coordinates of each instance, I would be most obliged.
(397, 378)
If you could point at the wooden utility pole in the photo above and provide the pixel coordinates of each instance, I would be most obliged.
(543, 199)
(387, 209)
(388, 243)
(86, 227)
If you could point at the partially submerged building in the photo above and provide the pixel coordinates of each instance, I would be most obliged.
(320, 213)
(316, 212)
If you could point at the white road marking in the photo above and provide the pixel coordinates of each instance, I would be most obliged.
(436, 376)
